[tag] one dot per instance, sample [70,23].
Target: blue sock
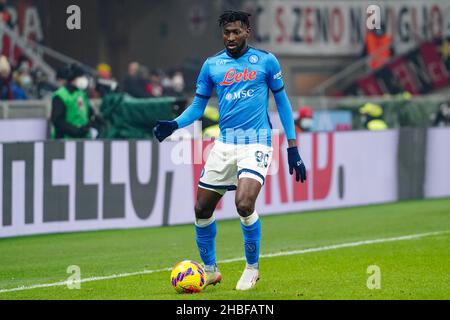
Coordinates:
[252,240]
[206,243]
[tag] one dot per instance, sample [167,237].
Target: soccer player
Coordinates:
[240,158]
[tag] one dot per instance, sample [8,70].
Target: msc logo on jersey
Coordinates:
[232,76]
[253,59]
[240,95]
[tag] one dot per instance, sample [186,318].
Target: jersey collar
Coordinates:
[240,55]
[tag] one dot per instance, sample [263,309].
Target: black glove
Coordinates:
[164,129]
[295,162]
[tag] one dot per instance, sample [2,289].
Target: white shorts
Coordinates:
[227,163]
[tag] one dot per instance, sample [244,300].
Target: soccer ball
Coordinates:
[188,277]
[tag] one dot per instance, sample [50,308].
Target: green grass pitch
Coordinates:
[411,268]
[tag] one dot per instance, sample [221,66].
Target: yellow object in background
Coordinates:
[212,116]
[372,110]
[377,125]
[374,114]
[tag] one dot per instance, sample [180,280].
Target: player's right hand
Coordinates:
[164,129]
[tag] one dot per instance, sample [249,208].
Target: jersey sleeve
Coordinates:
[276,84]
[274,74]
[193,113]
[204,83]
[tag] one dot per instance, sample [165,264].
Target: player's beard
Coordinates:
[238,50]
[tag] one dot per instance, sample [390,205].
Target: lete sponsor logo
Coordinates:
[232,76]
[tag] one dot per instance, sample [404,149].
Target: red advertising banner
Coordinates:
[419,71]
[369,86]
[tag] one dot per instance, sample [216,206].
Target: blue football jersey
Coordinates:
[242,86]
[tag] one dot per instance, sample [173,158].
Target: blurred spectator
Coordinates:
[155,87]
[44,87]
[176,84]
[166,80]
[134,83]
[61,75]
[104,87]
[5,16]
[304,120]
[442,116]
[9,90]
[104,71]
[105,83]
[21,63]
[72,116]
[372,117]
[378,45]
[23,77]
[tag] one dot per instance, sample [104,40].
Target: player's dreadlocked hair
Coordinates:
[232,16]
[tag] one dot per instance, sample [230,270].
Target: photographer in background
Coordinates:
[135,83]
[72,117]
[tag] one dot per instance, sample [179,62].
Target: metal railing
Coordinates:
[345,76]
[350,72]
[359,67]
[36,53]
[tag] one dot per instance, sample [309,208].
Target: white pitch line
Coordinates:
[64,283]
[269,255]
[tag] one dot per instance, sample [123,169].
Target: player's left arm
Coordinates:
[276,85]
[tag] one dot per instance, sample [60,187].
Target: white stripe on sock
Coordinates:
[250,220]
[203,223]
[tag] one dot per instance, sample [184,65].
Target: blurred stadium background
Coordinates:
[374,110]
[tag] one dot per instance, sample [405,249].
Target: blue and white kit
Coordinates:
[244,148]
